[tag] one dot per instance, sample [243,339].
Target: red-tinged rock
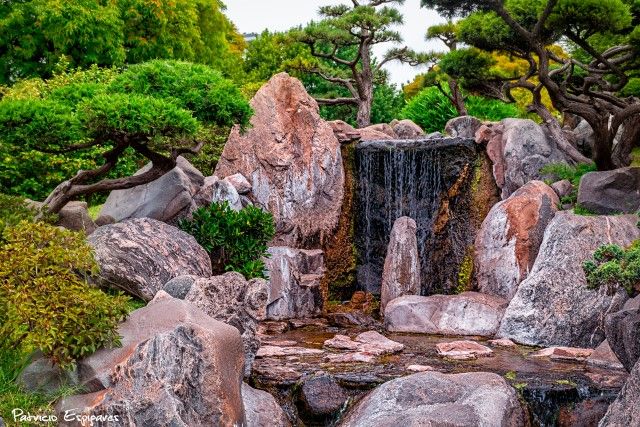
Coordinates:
[463,350]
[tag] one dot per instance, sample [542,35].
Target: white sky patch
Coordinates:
[254,16]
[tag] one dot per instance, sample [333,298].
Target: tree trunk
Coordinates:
[603,142]
[364,114]
[458,98]
[364,83]
[629,138]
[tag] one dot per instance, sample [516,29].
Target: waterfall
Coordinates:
[412,178]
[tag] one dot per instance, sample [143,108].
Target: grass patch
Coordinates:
[561,171]
[635,157]
[94,211]
[580,210]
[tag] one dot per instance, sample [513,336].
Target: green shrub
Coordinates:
[560,171]
[235,240]
[45,301]
[614,267]
[431,109]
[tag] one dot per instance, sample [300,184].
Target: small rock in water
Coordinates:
[345,320]
[322,396]
[502,342]
[279,343]
[463,350]
[564,353]
[272,327]
[341,342]
[604,357]
[351,357]
[420,368]
[275,351]
[303,323]
[376,343]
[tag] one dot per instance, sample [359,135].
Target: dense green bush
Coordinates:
[614,267]
[45,301]
[431,109]
[235,240]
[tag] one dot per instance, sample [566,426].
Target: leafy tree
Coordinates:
[35,34]
[235,240]
[604,40]
[345,37]
[156,110]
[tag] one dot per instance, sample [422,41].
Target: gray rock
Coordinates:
[232,299]
[585,138]
[294,282]
[292,159]
[166,199]
[140,255]
[240,183]
[322,396]
[177,366]
[179,287]
[434,399]
[406,129]
[623,334]
[261,409]
[463,127]
[625,411]
[401,272]
[75,216]
[217,190]
[610,192]
[104,220]
[604,357]
[508,240]
[553,305]
[382,128]
[562,188]
[43,376]
[469,313]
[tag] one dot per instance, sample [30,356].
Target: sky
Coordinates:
[254,16]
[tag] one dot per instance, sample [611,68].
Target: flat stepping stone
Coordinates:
[463,350]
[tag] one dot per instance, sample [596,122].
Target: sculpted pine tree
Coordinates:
[592,81]
[345,37]
[156,110]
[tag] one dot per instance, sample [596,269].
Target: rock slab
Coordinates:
[468,313]
[623,335]
[625,411]
[401,271]
[435,399]
[140,255]
[553,306]
[294,282]
[262,409]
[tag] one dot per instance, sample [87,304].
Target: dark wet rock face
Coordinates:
[322,397]
[625,411]
[427,180]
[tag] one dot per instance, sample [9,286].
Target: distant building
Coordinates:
[248,37]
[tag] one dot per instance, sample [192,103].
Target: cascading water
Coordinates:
[414,178]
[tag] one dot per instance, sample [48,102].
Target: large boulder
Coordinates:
[232,299]
[610,192]
[293,161]
[262,409]
[406,129]
[435,399]
[553,305]
[623,334]
[469,313]
[321,396]
[167,199]
[508,240]
[518,148]
[625,410]
[140,255]
[177,366]
[294,282]
[75,216]
[401,272]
